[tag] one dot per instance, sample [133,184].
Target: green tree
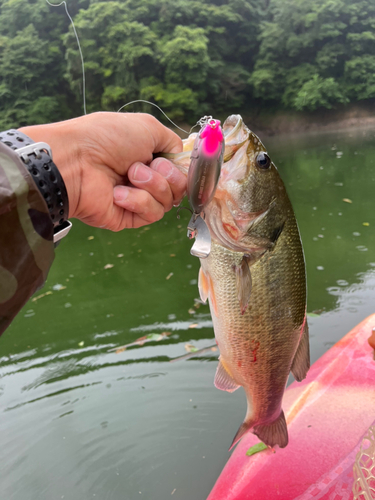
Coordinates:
[319,42]
[319,92]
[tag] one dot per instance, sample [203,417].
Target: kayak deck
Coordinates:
[328,415]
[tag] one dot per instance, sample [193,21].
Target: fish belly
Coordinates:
[257,347]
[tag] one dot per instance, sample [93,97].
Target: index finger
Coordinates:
[165,140]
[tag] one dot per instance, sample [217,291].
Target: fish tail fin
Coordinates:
[275,433]
[243,429]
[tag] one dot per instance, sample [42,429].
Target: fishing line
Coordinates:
[79,48]
[200,122]
[156,106]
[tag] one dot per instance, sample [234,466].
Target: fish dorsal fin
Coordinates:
[301,361]
[274,433]
[244,284]
[203,286]
[223,380]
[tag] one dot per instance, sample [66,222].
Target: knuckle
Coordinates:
[150,119]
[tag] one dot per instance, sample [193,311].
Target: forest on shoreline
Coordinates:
[190,57]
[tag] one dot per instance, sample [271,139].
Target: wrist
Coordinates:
[62,139]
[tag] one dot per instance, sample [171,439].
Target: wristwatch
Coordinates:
[37,157]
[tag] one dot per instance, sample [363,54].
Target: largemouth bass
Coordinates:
[254,280]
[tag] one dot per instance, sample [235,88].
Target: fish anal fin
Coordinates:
[301,360]
[244,284]
[243,429]
[275,433]
[223,380]
[203,286]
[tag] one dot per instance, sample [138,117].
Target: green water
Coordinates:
[79,422]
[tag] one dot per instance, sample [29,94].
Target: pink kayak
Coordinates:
[328,415]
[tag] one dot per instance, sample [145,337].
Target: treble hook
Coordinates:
[183,208]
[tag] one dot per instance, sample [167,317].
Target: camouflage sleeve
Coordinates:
[26,236]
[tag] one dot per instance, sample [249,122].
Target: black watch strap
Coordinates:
[37,158]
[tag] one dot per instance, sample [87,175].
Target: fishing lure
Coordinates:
[204,172]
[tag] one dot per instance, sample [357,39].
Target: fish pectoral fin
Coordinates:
[206,289]
[244,284]
[223,380]
[203,286]
[301,360]
[275,433]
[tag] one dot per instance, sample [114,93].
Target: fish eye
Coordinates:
[263,161]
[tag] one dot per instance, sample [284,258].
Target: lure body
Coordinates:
[205,165]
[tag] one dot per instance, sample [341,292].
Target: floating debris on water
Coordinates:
[190,348]
[108,266]
[365,223]
[82,343]
[169,276]
[68,304]
[151,337]
[172,255]
[193,325]
[320,268]
[40,296]
[191,354]
[339,154]
[90,238]
[347,200]
[58,287]
[356,233]
[192,311]
[120,255]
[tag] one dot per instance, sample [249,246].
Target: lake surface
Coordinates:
[79,422]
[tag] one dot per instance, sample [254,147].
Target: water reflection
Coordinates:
[79,422]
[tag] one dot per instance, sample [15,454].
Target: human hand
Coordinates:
[106,162]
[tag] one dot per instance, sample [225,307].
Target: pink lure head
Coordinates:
[213,136]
